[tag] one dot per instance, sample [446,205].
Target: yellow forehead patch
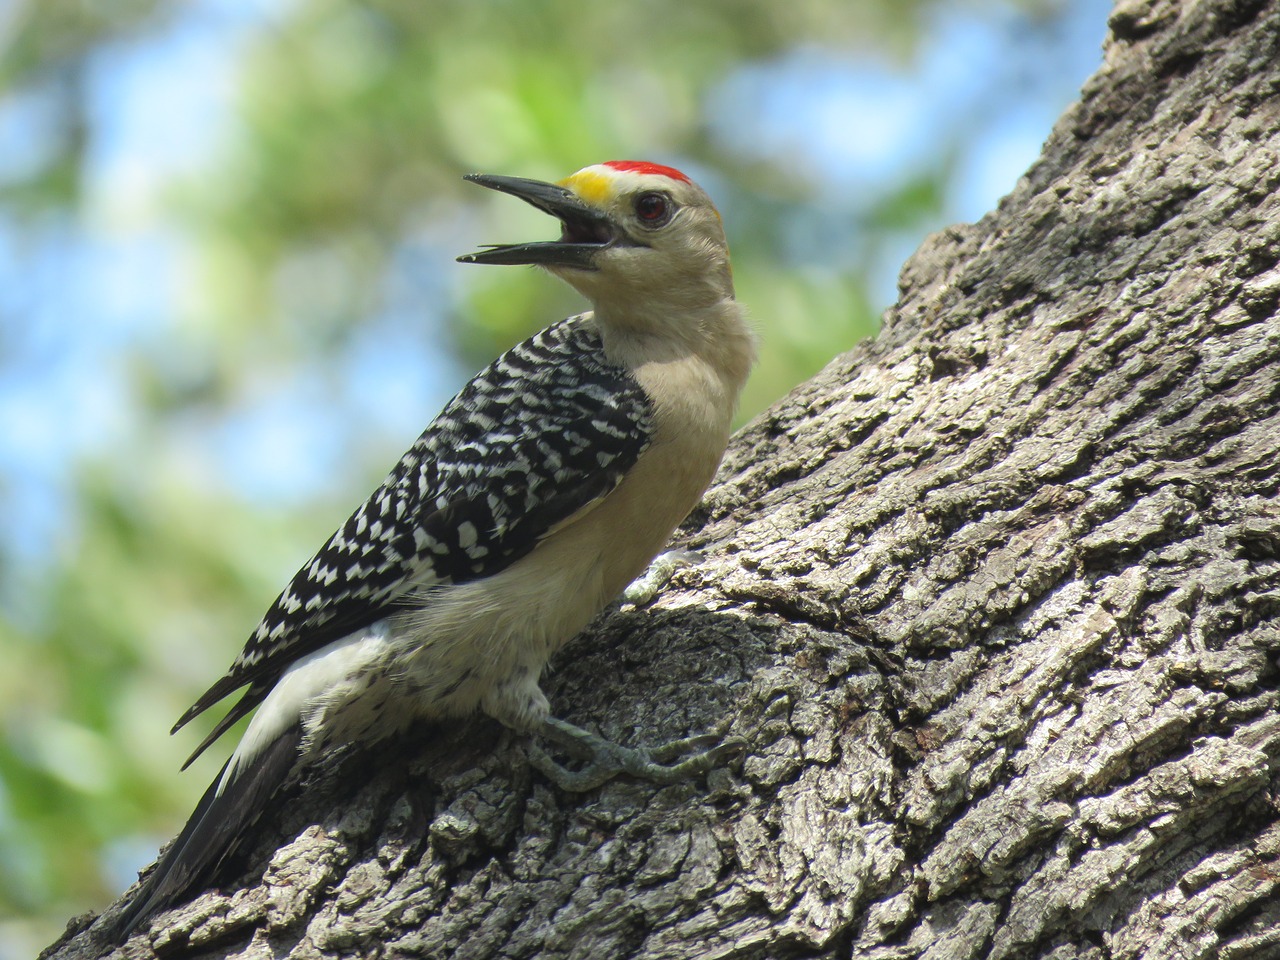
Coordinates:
[592,185]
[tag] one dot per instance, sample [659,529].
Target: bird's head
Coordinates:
[630,231]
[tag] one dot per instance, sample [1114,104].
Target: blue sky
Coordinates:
[76,295]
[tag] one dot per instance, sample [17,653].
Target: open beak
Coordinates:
[586,231]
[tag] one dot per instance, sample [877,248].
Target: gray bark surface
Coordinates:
[994,600]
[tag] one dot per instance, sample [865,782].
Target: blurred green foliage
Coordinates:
[353,122]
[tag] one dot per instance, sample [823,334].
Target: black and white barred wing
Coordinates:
[546,430]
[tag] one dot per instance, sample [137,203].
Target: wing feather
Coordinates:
[545,431]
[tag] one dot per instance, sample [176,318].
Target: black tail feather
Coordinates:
[212,833]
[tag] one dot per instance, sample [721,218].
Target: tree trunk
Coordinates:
[993,599]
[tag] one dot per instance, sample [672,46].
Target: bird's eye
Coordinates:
[653,209]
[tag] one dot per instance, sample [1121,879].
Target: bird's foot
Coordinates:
[646,586]
[606,760]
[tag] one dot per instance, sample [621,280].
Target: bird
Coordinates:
[544,487]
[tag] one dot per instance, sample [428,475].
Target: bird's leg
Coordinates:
[606,760]
[646,586]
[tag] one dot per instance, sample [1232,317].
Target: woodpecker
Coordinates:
[540,491]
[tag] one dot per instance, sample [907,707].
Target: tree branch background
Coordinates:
[216,426]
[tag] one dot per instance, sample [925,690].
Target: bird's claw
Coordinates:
[607,760]
[647,586]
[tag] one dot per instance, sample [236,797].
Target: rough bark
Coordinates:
[994,600]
